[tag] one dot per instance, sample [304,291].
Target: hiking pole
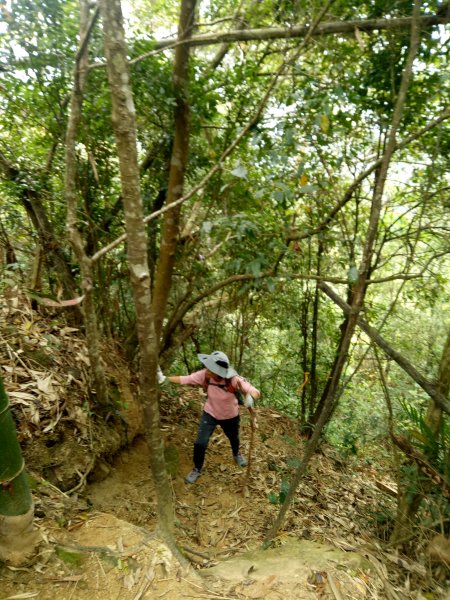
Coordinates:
[250,450]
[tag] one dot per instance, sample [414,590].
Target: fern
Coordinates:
[434,446]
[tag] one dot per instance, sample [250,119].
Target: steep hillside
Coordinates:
[95,502]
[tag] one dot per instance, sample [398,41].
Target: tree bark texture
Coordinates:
[123,116]
[178,163]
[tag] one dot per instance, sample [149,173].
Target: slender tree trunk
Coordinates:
[84,262]
[123,116]
[304,352]
[17,537]
[314,417]
[10,254]
[360,286]
[35,283]
[314,335]
[178,163]
[335,373]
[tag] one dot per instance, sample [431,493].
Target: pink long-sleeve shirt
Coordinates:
[220,403]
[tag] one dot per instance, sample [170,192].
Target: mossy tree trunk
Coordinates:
[17,538]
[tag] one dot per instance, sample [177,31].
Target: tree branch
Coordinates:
[421,461]
[347,197]
[429,387]
[230,149]
[298,31]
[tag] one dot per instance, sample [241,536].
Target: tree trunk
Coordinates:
[70,188]
[17,538]
[178,163]
[10,254]
[304,353]
[314,336]
[123,116]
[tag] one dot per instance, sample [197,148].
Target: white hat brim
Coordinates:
[211,365]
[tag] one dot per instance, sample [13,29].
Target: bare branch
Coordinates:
[429,387]
[296,31]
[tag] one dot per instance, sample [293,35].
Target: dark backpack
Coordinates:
[228,386]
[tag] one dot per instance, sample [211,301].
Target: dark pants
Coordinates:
[208,423]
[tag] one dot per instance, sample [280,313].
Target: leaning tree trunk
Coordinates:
[17,537]
[361,284]
[123,116]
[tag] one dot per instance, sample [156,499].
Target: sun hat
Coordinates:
[217,363]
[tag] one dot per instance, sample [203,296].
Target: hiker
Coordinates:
[221,382]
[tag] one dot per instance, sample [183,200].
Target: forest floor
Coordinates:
[98,543]
[95,505]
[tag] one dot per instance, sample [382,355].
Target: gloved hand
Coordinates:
[160,376]
[248,401]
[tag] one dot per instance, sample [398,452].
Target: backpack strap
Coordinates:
[227,386]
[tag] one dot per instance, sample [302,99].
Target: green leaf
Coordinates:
[69,556]
[239,171]
[308,189]
[352,275]
[207,226]
[324,123]
[278,197]
[273,498]
[255,268]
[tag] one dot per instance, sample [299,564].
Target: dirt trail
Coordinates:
[99,544]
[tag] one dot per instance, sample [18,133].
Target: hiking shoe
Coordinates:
[193,475]
[240,460]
